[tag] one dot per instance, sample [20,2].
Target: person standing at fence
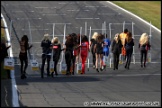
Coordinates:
[56,48]
[24,46]
[106,47]
[84,51]
[92,44]
[46,54]
[144,46]
[4,53]
[123,36]
[116,50]
[99,51]
[129,43]
[68,52]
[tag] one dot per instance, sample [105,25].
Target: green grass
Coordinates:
[147,10]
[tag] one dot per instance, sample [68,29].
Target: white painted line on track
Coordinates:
[104,74]
[134,16]
[15,99]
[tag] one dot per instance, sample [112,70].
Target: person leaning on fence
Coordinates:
[116,50]
[92,44]
[56,48]
[46,54]
[99,51]
[123,36]
[69,52]
[24,46]
[144,46]
[129,43]
[4,53]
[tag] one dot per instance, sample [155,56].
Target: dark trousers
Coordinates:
[94,58]
[68,59]
[116,60]
[55,66]
[44,58]
[128,57]
[23,60]
[143,56]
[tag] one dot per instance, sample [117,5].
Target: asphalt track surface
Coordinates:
[134,85]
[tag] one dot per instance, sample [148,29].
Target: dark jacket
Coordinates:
[93,42]
[4,52]
[145,46]
[116,47]
[46,46]
[56,48]
[129,45]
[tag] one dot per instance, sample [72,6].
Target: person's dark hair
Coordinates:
[69,39]
[84,38]
[25,38]
[129,37]
[125,30]
[74,36]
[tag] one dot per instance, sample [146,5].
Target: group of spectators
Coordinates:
[77,47]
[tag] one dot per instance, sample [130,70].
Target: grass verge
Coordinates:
[147,10]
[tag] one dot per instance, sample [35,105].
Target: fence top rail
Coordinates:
[58,23]
[121,23]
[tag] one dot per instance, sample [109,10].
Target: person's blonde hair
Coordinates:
[116,37]
[46,37]
[144,39]
[94,36]
[55,40]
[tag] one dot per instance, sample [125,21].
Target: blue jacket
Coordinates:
[107,43]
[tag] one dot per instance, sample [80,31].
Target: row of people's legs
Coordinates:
[95,58]
[127,59]
[73,61]
[98,59]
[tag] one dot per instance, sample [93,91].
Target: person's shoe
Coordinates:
[52,75]
[67,73]
[25,76]
[144,65]
[97,70]
[72,73]
[125,66]
[141,65]
[56,74]
[128,67]
[101,69]
[117,68]
[22,76]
